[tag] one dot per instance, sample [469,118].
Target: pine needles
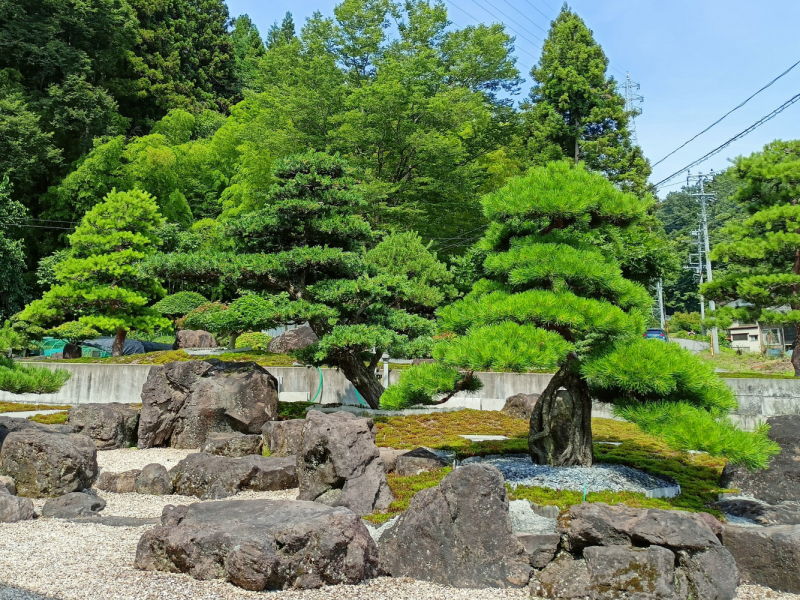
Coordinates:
[20,379]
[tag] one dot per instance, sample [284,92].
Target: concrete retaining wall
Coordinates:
[758,398]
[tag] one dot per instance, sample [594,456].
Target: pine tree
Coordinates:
[303,255]
[762,253]
[575,110]
[100,285]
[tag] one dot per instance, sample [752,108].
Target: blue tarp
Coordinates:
[130,347]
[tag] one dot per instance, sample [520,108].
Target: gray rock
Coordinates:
[15,508]
[377,531]
[235,445]
[565,577]
[419,460]
[182,402]
[116,521]
[73,505]
[193,338]
[12,424]
[118,483]
[596,524]
[210,477]
[711,574]
[389,457]
[766,556]
[525,520]
[619,572]
[783,513]
[283,438]
[540,548]
[7,484]
[49,464]
[520,406]
[781,480]
[458,534]
[153,480]
[340,465]
[111,426]
[262,544]
[294,339]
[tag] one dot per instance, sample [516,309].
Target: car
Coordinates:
[655,333]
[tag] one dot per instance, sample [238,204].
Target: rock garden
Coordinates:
[207,491]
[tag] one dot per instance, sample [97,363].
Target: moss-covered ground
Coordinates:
[16,406]
[265,359]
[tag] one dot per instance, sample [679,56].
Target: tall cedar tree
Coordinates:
[763,252]
[576,112]
[304,251]
[552,298]
[100,285]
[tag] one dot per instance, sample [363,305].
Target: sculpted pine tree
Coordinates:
[99,283]
[763,253]
[551,300]
[576,112]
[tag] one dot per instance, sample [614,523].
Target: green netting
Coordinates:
[50,346]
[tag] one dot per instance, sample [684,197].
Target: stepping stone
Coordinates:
[484,438]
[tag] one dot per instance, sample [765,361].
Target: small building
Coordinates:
[758,337]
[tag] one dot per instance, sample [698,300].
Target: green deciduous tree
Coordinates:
[100,285]
[73,333]
[763,250]
[12,253]
[575,110]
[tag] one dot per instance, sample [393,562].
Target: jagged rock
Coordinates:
[118,483]
[766,556]
[12,424]
[49,464]
[389,457]
[340,465]
[7,484]
[283,438]
[207,476]
[711,574]
[193,338]
[621,571]
[458,534]
[294,339]
[419,460]
[73,505]
[261,544]
[565,578]
[781,480]
[115,521]
[782,513]
[540,548]
[520,406]
[111,426]
[234,445]
[14,508]
[182,402]
[153,480]
[596,524]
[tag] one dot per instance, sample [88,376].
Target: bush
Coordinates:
[19,379]
[686,322]
[650,370]
[421,383]
[687,427]
[180,304]
[255,340]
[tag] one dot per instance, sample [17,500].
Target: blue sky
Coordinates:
[695,60]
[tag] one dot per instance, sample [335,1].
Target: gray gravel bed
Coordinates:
[524,520]
[519,470]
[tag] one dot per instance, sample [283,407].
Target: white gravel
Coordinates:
[524,520]
[118,461]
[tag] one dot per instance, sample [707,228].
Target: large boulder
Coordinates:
[13,508]
[182,402]
[419,460]
[767,556]
[340,465]
[294,339]
[782,513]
[111,425]
[235,445]
[118,483]
[12,424]
[207,476]
[621,571]
[193,338]
[282,438]
[520,406]
[389,457]
[73,505]
[153,480]
[458,534]
[261,544]
[49,464]
[781,480]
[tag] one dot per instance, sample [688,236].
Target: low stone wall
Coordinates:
[90,383]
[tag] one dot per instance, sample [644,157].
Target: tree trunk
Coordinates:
[362,379]
[118,347]
[796,352]
[72,351]
[232,342]
[561,424]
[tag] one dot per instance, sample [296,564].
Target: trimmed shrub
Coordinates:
[19,379]
[255,340]
[423,382]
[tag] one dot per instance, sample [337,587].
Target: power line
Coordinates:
[35,226]
[727,113]
[526,16]
[738,136]
[475,2]
[540,12]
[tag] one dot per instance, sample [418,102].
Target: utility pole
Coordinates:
[660,291]
[697,182]
[632,104]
